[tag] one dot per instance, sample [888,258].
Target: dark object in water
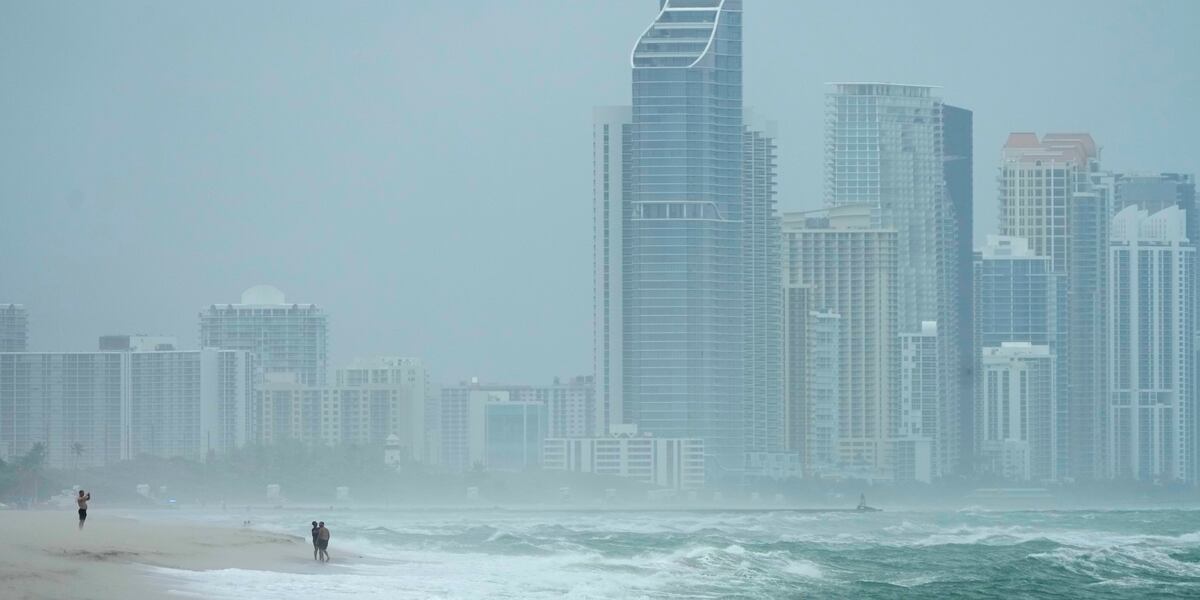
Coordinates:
[862,505]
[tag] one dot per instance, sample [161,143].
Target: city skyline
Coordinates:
[123,205]
[864,299]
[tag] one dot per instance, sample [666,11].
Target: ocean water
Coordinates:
[767,554]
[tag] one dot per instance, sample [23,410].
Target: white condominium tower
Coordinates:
[98,408]
[1053,193]
[845,267]
[284,338]
[611,153]
[1016,411]
[1039,181]
[1150,413]
[884,148]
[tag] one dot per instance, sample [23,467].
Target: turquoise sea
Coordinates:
[970,553]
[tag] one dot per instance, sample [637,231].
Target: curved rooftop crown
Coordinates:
[680,36]
[262,295]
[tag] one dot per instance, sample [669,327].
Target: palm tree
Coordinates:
[77,450]
[31,464]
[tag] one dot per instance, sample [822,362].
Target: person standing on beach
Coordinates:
[323,541]
[316,530]
[82,501]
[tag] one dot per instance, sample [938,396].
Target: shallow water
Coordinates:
[503,554]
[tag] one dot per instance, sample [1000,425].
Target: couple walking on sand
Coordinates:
[320,539]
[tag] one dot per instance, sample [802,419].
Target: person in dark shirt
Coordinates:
[316,531]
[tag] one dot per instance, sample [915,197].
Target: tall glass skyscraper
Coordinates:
[884,147]
[763,314]
[684,308]
[688,303]
[959,173]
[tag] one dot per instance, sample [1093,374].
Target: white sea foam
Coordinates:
[631,555]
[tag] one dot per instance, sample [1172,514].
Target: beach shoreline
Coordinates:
[48,557]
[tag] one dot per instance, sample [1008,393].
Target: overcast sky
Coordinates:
[423,169]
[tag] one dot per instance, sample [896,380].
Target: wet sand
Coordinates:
[45,556]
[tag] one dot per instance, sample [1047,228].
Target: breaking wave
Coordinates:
[962,554]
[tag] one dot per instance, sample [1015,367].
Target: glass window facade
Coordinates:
[684,314]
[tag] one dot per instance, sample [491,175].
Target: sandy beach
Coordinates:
[47,557]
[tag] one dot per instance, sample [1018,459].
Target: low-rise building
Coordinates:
[676,463]
[561,409]
[492,426]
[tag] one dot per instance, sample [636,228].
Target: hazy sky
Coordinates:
[423,169]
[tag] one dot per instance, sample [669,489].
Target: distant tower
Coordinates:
[14,328]
[284,338]
[959,172]
[1053,193]
[688,340]
[1019,299]
[1150,412]
[1016,415]
[884,147]
[847,268]
[611,139]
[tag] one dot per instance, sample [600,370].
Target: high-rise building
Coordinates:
[687,307]
[761,255]
[570,405]
[14,328]
[282,337]
[1016,415]
[611,180]
[884,148]
[916,416]
[684,305]
[1153,192]
[62,399]
[355,411]
[1015,293]
[1038,182]
[959,173]
[410,423]
[1150,413]
[1087,348]
[1054,194]
[812,378]
[97,408]
[849,269]
[189,404]
[1019,299]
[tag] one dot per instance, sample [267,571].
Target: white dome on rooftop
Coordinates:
[262,294]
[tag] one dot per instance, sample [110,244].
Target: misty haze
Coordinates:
[604,299]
